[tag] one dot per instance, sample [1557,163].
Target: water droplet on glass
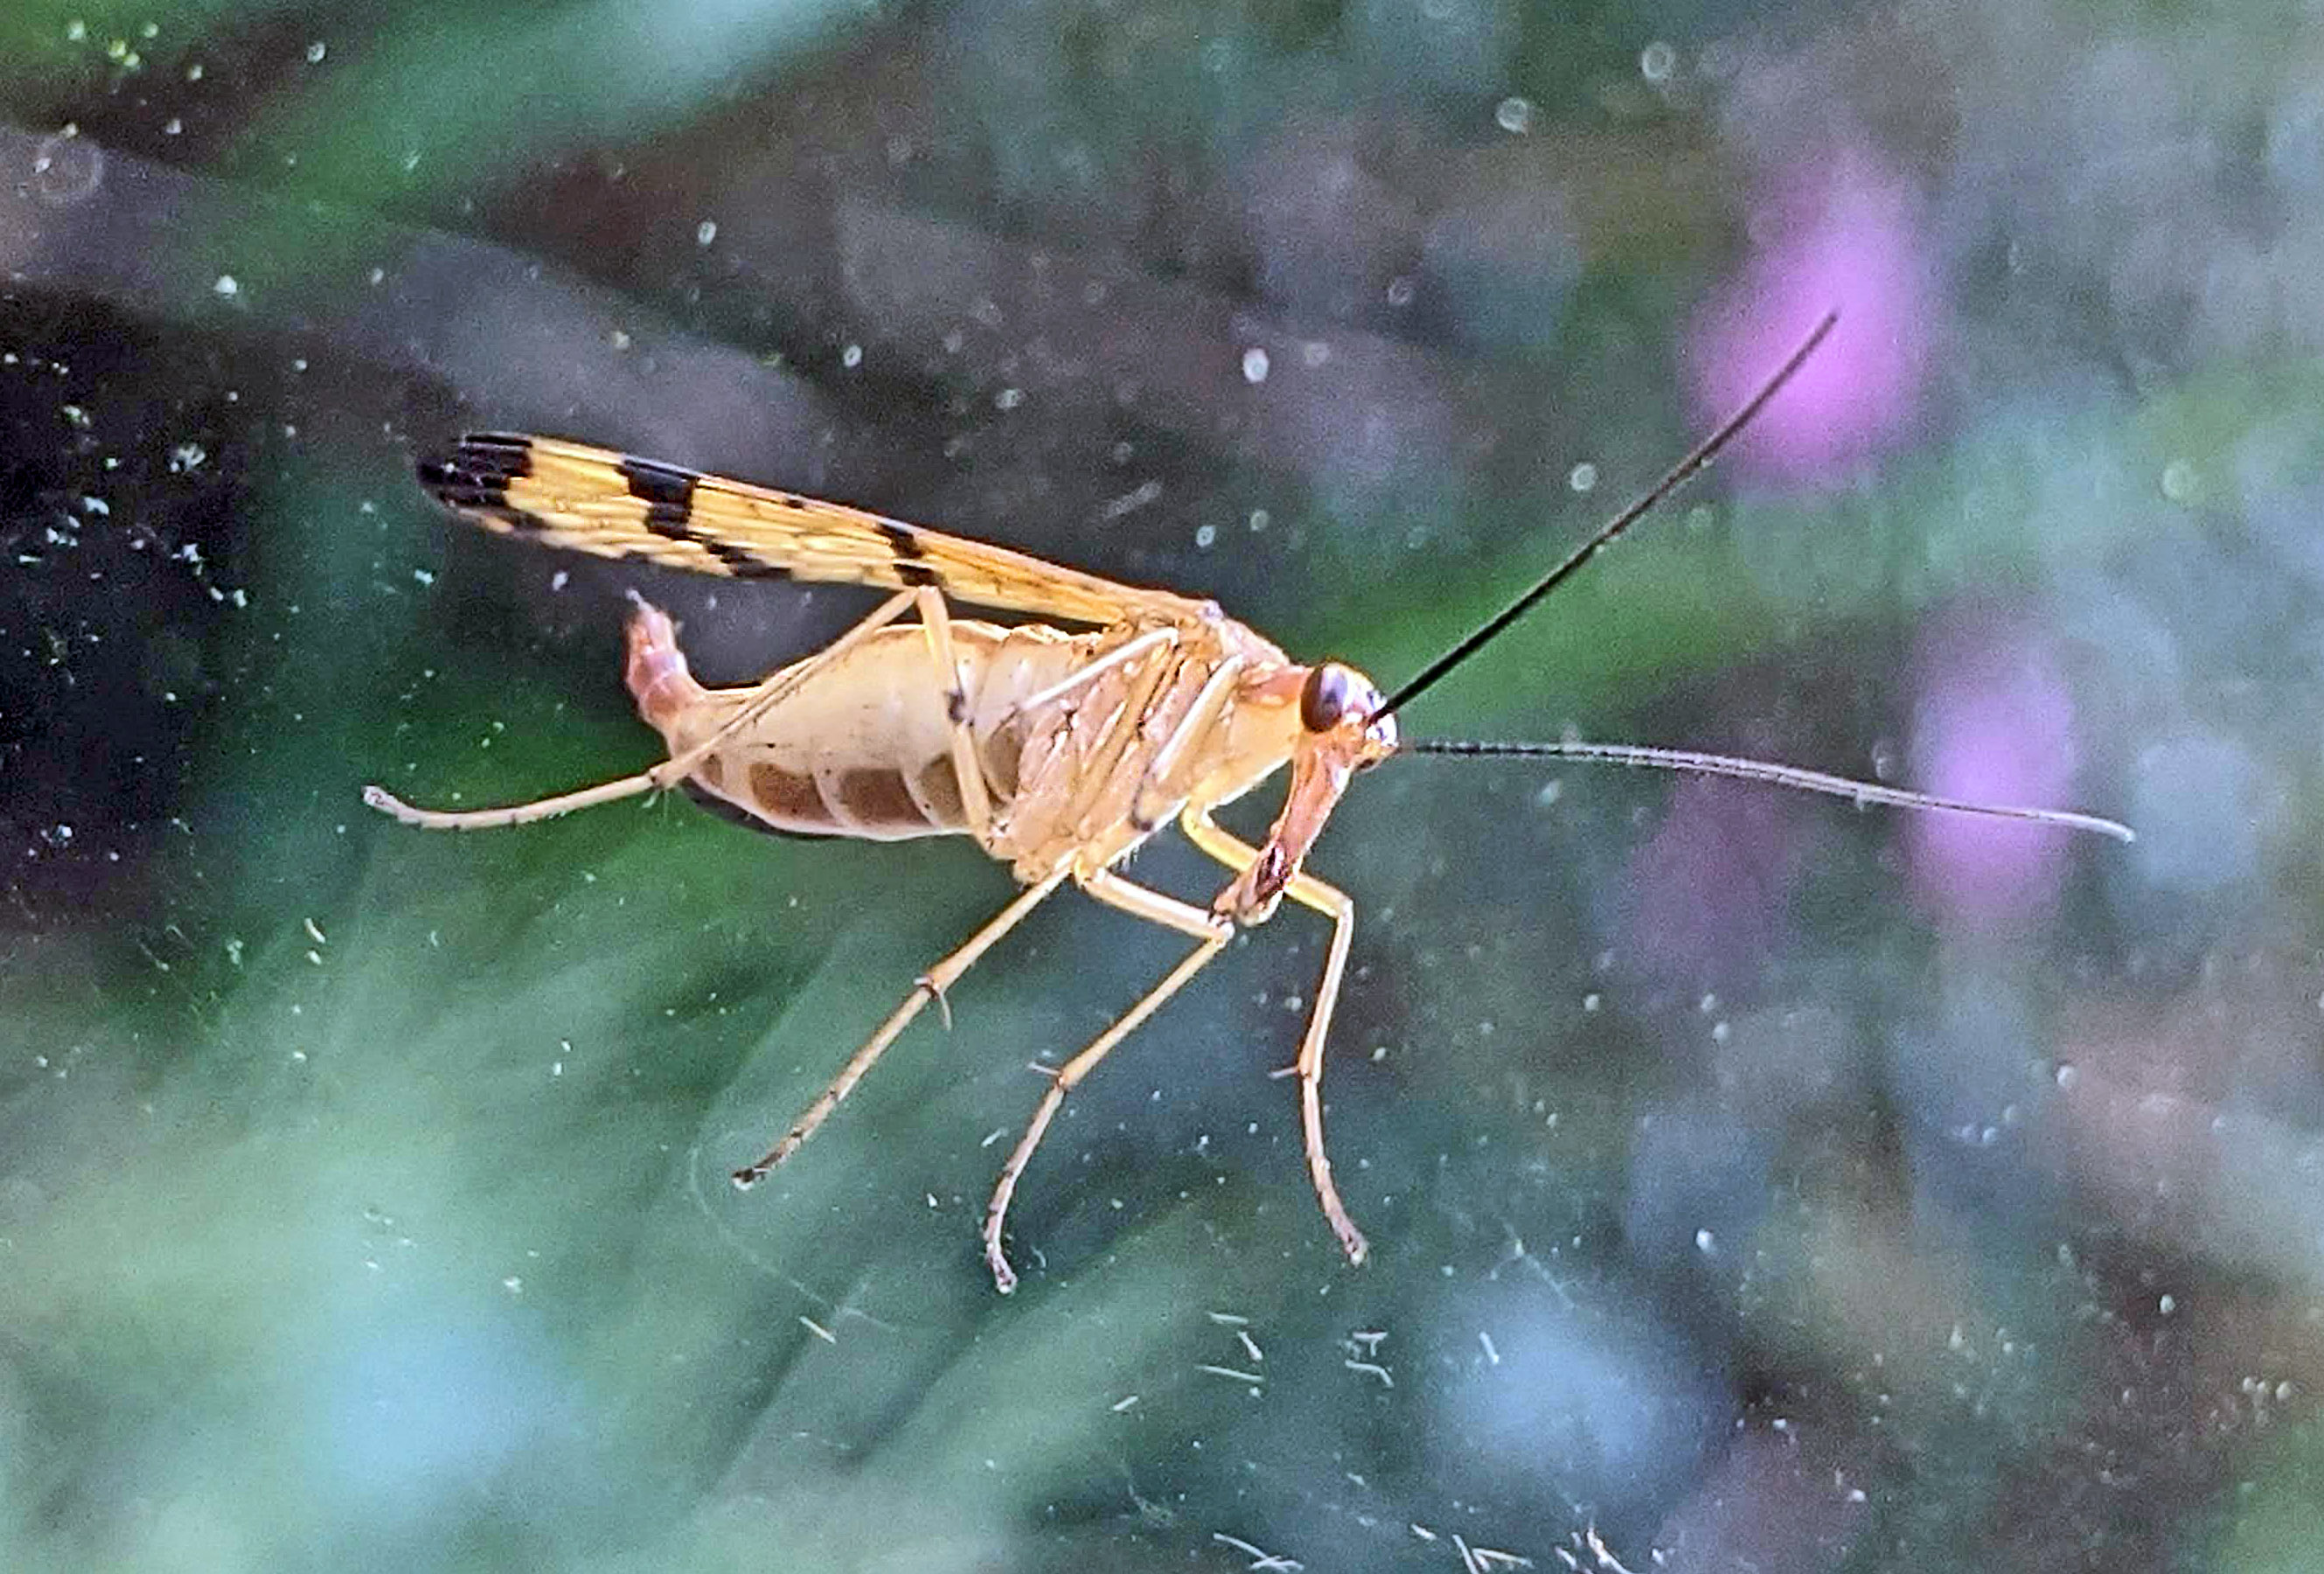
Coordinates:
[66,169]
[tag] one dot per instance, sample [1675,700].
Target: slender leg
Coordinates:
[1136,899]
[1129,651]
[975,802]
[767,694]
[1098,769]
[930,986]
[1335,904]
[1207,706]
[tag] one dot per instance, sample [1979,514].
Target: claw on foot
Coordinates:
[936,993]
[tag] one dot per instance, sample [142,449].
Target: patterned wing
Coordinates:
[594,500]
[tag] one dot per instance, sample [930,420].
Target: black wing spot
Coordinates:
[739,561]
[902,540]
[476,474]
[474,478]
[489,456]
[663,486]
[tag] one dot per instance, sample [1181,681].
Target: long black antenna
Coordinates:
[1678,476]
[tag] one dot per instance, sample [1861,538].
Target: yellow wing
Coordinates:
[594,500]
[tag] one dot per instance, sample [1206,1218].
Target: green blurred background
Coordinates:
[1752,1183]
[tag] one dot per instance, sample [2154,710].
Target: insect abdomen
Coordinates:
[863,748]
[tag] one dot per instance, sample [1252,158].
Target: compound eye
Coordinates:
[1325,698]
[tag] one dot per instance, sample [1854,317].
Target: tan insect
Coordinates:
[1058,753]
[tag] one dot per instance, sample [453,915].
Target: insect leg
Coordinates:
[1336,905]
[975,802]
[1213,698]
[930,986]
[772,691]
[1100,767]
[1089,671]
[1136,899]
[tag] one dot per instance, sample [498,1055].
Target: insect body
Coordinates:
[1058,753]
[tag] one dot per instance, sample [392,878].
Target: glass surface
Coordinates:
[1754,1181]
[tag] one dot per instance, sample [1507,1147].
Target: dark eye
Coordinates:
[1325,698]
